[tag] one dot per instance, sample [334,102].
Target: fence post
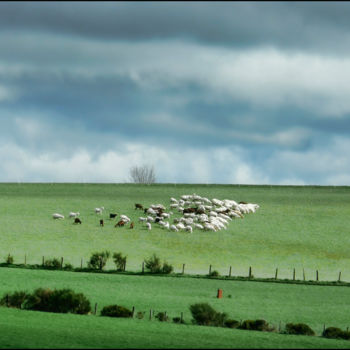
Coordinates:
[250,272]
[183,268]
[150,314]
[61,262]
[294,274]
[317,275]
[276,273]
[339,276]
[229,274]
[133,312]
[209,270]
[143,267]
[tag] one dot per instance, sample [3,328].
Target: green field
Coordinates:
[295,227]
[314,305]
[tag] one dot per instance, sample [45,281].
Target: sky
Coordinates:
[205,92]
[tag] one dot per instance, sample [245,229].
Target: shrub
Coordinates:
[98,260]
[167,268]
[39,300]
[162,316]
[53,263]
[255,325]
[60,301]
[336,333]
[229,323]
[120,261]
[15,300]
[68,266]
[9,259]
[116,311]
[298,328]
[204,314]
[178,320]
[65,300]
[153,264]
[214,274]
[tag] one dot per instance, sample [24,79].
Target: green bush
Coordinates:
[14,300]
[116,311]
[214,274]
[9,259]
[68,266]
[39,300]
[162,316]
[255,325]
[167,268]
[52,263]
[203,314]
[229,323]
[59,301]
[335,333]
[120,261]
[178,320]
[153,264]
[298,328]
[98,260]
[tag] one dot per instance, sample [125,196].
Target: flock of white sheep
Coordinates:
[197,213]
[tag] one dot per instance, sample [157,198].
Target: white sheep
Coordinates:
[150,219]
[125,218]
[99,210]
[174,200]
[149,226]
[174,228]
[188,228]
[142,219]
[57,216]
[73,215]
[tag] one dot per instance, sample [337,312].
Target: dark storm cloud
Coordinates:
[296,25]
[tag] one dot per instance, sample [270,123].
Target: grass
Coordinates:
[295,227]
[27,329]
[315,305]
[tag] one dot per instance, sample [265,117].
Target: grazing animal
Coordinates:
[77,221]
[112,215]
[131,225]
[174,228]
[142,219]
[138,206]
[73,215]
[189,210]
[99,210]
[57,216]
[119,223]
[149,226]
[101,223]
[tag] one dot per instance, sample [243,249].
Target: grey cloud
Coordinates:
[295,25]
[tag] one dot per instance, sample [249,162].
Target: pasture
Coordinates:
[295,227]
[314,305]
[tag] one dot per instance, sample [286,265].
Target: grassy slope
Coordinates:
[26,329]
[296,227]
[314,305]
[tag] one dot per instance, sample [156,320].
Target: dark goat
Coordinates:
[138,206]
[77,221]
[101,222]
[112,216]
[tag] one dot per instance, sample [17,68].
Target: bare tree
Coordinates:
[143,174]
